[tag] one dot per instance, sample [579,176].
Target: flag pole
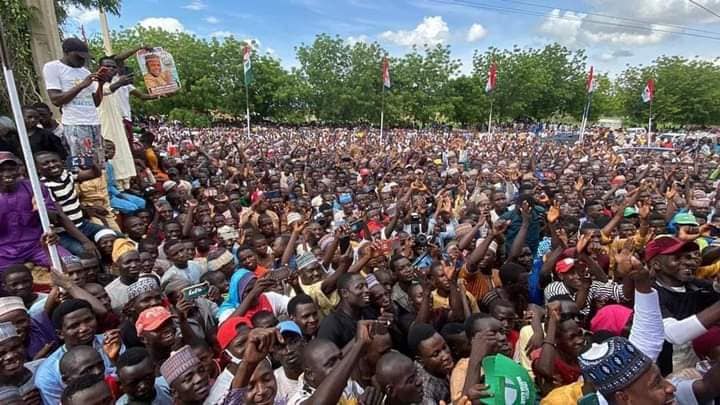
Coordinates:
[650,121]
[490,117]
[586,116]
[247,110]
[25,145]
[382,111]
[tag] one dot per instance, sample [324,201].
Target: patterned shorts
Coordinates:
[85,141]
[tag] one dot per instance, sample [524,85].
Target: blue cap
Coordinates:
[289,326]
[345,198]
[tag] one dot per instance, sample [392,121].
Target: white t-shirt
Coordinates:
[285,386]
[123,100]
[81,109]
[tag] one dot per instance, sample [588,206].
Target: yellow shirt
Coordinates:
[457,379]
[526,333]
[325,304]
[567,394]
[440,302]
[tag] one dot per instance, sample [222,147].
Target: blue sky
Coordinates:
[613,32]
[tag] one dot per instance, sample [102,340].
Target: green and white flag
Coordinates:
[247,65]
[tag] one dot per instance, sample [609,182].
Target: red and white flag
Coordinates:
[492,78]
[648,93]
[386,73]
[591,83]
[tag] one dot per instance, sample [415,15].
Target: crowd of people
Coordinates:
[335,266]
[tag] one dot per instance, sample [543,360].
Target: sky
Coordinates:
[613,33]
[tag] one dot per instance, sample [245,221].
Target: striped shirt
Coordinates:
[599,292]
[63,192]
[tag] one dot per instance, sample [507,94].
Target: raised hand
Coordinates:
[259,344]
[553,213]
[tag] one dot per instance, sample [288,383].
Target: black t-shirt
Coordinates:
[697,296]
[339,328]
[128,334]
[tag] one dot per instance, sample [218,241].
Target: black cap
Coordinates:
[74,45]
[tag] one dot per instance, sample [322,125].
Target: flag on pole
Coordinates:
[386,73]
[649,92]
[492,78]
[591,83]
[247,65]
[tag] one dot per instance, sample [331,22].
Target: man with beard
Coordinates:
[304,312]
[689,306]
[136,375]
[13,370]
[434,362]
[488,337]
[397,377]
[186,376]
[76,325]
[340,325]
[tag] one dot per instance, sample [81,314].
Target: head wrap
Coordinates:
[141,286]
[221,261]
[238,283]
[227,233]
[120,247]
[613,365]
[72,259]
[612,318]
[9,304]
[7,331]
[178,364]
[103,233]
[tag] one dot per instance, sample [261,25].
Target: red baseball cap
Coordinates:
[229,329]
[564,265]
[151,319]
[668,245]
[364,172]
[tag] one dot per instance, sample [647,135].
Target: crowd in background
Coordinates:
[313,265]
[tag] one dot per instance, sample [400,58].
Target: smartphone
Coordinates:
[197,290]
[357,226]
[344,244]
[272,194]
[280,274]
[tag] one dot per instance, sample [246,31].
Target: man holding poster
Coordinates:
[159,73]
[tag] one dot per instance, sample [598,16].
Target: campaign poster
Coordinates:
[159,71]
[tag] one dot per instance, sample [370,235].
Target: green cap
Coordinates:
[685,218]
[629,212]
[508,381]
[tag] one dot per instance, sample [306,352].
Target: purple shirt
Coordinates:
[41,333]
[20,228]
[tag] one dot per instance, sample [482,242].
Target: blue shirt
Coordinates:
[163,395]
[110,175]
[48,379]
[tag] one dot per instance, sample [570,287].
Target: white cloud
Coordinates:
[164,23]
[432,31]
[476,33]
[352,40]
[618,54]
[222,34]
[659,11]
[195,5]
[577,29]
[82,15]
[211,20]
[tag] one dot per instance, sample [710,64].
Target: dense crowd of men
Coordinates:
[314,265]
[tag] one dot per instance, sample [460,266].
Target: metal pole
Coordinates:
[247,110]
[26,150]
[490,118]
[586,116]
[649,122]
[382,111]
[107,43]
